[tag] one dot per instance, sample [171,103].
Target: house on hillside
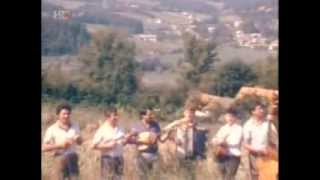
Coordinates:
[62,14]
[158,21]
[147,37]
[274,45]
[211,29]
[237,24]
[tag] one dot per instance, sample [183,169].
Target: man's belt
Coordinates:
[260,154]
[57,154]
[110,157]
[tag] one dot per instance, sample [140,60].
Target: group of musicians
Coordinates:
[62,137]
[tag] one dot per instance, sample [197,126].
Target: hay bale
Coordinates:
[270,94]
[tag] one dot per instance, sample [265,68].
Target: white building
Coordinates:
[274,45]
[211,29]
[147,37]
[237,24]
[158,21]
[62,14]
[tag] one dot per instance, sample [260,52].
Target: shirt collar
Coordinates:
[60,126]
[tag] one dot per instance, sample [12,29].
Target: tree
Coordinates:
[231,77]
[59,37]
[110,67]
[201,55]
[267,72]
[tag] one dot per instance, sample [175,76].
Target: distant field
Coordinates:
[228,53]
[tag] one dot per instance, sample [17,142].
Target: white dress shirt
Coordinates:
[107,133]
[256,134]
[57,135]
[233,137]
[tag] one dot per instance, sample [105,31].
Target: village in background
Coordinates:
[135,54]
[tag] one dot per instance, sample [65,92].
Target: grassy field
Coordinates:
[166,167]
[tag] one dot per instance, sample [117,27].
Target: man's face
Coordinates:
[114,118]
[189,115]
[258,112]
[229,118]
[64,116]
[148,116]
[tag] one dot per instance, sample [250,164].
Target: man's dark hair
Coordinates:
[191,108]
[110,110]
[63,106]
[254,105]
[232,112]
[142,113]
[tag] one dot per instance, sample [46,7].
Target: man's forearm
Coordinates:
[50,147]
[248,147]
[103,146]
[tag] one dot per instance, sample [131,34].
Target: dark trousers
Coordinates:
[228,166]
[111,168]
[145,163]
[65,167]
[189,165]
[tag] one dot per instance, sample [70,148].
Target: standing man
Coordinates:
[229,137]
[147,145]
[61,138]
[257,131]
[109,140]
[188,140]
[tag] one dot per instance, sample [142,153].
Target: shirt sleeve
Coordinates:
[157,129]
[218,137]
[246,132]
[136,128]
[236,137]
[97,138]
[76,129]
[120,133]
[179,134]
[48,137]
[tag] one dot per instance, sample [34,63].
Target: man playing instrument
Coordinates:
[109,140]
[257,133]
[229,137]
[147,133]
[61,138]
[189,139]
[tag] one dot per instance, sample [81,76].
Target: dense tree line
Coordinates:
[117,21]
[62,37]
[109,74]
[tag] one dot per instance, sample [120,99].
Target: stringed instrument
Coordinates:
[145,139]
[221,150]
[268,165]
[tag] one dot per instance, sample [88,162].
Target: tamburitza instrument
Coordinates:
[146,139]
[268,166]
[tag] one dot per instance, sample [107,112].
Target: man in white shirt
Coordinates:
[109,140]
[229,135]
[257,138]
[61,138]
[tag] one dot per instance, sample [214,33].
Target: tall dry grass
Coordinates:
[166,168]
